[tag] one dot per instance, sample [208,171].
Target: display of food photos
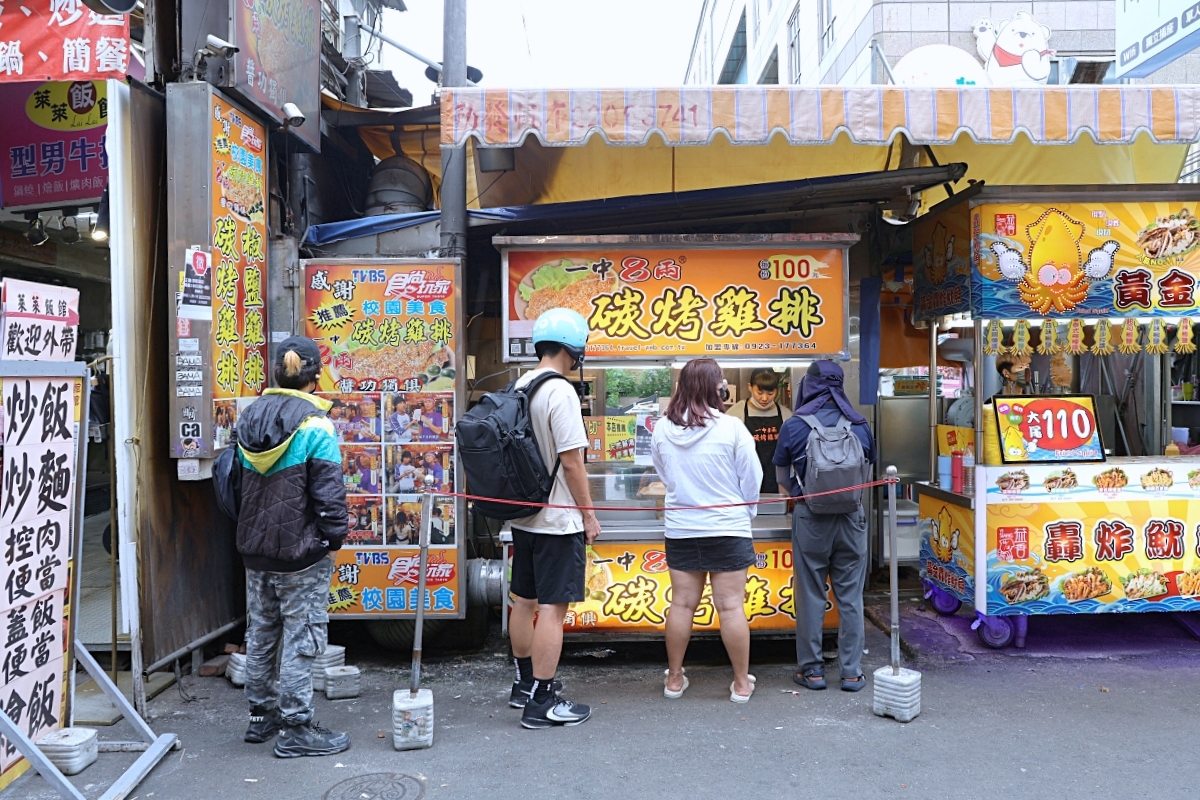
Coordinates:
[387,334]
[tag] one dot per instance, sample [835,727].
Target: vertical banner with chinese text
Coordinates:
[389,339]
[38,512]
[218,268]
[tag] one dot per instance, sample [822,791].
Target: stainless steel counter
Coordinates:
[766,527]
[945,495]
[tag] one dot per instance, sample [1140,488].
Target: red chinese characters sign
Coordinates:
[44,40]
[52,145]
[772,299]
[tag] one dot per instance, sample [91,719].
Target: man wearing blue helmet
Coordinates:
[549,559]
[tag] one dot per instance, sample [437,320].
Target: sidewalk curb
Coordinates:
[885,625]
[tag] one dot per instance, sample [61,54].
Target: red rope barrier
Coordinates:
[760,502]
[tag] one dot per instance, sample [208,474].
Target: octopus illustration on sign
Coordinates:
[1054,277]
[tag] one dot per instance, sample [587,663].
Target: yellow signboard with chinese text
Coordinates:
[663,300]
[629,590]
[239,254]
[1085,260]
[383,581]
[948,547]
[1093,538]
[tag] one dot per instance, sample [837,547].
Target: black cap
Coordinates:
[302,346]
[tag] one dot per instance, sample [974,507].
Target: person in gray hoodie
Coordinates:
[704,458]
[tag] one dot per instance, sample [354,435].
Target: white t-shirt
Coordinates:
[558,425]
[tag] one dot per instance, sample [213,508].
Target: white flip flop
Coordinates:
[667,693]
[734,697]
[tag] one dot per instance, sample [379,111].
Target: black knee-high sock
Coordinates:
[543,690]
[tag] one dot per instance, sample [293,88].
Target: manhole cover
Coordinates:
[378,786]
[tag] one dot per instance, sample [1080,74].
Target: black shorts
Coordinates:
[548,567]
[711,553]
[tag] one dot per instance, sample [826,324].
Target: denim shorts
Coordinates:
[710,553]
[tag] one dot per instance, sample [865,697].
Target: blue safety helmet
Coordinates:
[565,327]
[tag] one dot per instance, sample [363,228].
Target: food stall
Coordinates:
[654,302]
[1070,274]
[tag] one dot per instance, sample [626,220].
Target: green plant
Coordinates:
[639,383]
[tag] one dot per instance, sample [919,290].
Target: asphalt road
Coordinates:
[1010,724]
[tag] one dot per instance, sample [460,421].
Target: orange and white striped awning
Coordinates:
[870,115]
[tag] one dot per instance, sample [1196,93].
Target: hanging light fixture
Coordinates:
[69,233]
[36,234]
[100,225]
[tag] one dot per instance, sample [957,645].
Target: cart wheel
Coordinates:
[398,634]
[945,603]
[996,632]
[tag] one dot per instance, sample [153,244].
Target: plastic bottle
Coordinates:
[1171,450]
[968,469]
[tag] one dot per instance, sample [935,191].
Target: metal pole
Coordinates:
[893,570]
[409,51]
[933,401]
[414,683]
[454,159]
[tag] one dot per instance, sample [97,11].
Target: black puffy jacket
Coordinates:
[293,499]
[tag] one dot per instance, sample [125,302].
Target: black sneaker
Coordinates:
[519,696]
[264,724]
[309,740]
[555,711]
[523,690]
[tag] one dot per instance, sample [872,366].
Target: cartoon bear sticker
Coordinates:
[1016,52]
[1055,277]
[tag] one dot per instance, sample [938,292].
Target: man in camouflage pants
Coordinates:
[291,517]
[280,605]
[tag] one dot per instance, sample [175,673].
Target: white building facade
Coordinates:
[827,42]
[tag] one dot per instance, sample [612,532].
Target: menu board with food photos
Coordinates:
[1089,538]
[388,334]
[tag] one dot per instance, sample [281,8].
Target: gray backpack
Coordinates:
[835,461]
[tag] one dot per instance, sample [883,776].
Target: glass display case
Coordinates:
[633,496]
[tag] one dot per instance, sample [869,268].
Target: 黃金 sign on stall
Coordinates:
[388,331]
[664,297]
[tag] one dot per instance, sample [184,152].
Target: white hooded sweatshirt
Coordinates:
[707,466]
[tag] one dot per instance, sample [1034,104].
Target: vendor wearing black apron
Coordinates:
[763,417]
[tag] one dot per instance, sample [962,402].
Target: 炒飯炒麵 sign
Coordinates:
[673,298]
[38,514]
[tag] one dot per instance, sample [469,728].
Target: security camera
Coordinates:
[293,117]
[218,47]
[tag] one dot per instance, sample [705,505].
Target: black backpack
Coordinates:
[227,482]
[499,452]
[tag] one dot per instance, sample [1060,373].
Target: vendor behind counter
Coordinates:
[763,416]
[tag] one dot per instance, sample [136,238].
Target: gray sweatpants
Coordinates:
[833,546]
[292,607]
